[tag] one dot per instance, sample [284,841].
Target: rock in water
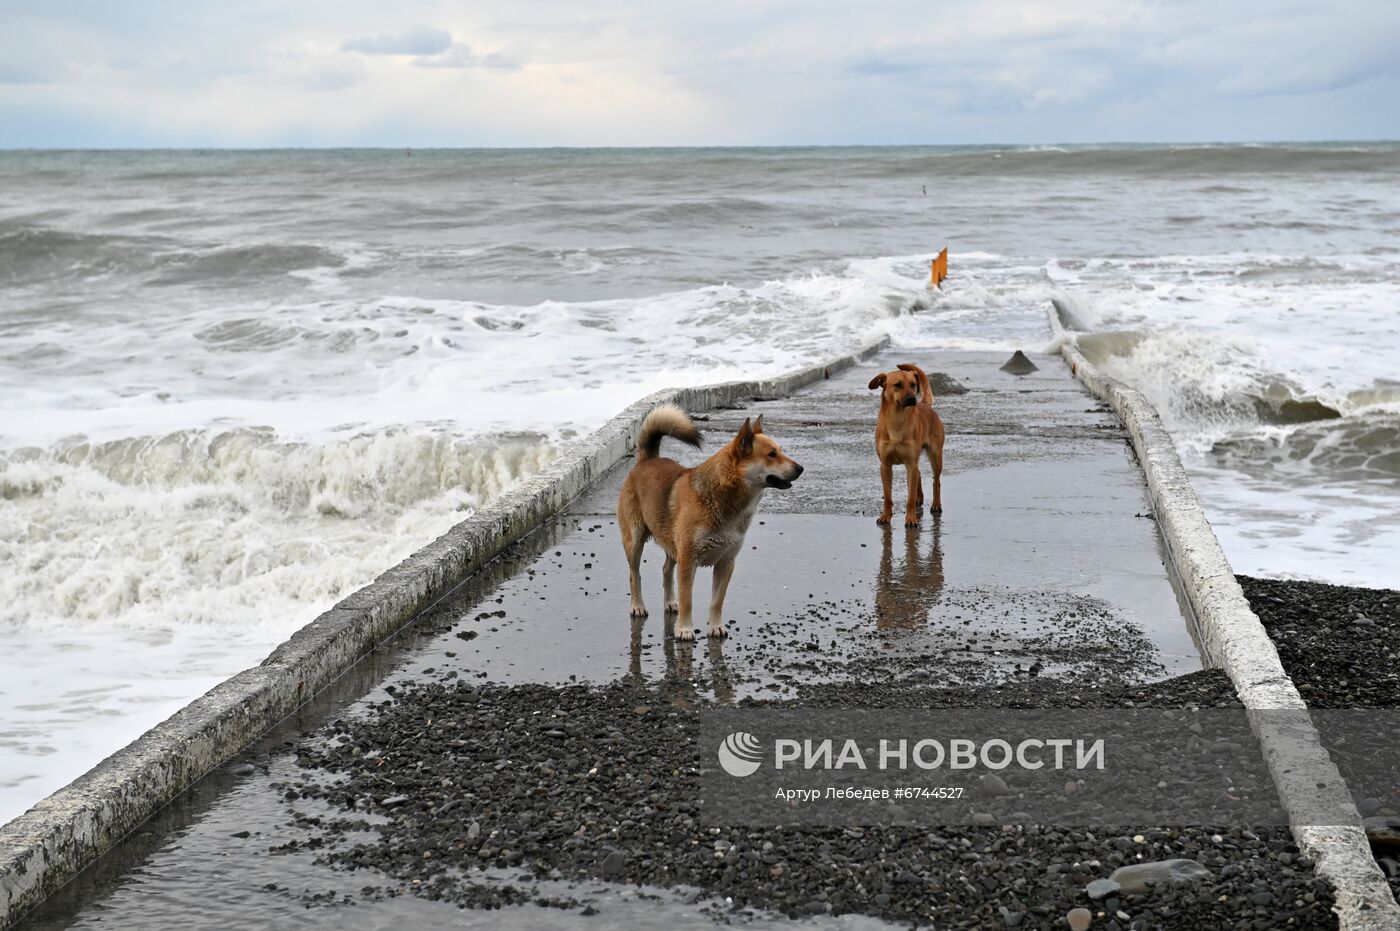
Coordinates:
[942,384]
[1066,314]
[1134,879]
[1382,831]
[1018,364]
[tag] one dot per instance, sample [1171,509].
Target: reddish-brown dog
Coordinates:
[908,428]
[699,515]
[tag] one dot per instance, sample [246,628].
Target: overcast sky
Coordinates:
[720,72]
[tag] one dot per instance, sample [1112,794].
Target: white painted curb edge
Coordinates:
[1233,639]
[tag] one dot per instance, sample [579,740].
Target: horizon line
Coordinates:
[1198,143]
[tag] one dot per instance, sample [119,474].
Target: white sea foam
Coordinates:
[232,528]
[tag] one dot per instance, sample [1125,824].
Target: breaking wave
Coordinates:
[1208,378]
[34,254]
[234,527]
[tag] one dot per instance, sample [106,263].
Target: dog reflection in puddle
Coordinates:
[906,591]
[679,682]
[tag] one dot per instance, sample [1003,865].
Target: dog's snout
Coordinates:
[911,400]
[796,470]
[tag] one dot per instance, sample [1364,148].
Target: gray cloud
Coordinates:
[420,40]
[11,74]
[725,72]
[461,56]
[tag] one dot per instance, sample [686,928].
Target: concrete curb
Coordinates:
[61,835]
[1233,639]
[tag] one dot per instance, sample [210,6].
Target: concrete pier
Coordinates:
[1046,561]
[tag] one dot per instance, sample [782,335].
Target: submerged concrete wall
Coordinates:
[1233,639]
[48,845]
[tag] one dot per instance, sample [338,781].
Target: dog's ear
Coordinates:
[743,441]
[758,424]
[878,381]
[920,379]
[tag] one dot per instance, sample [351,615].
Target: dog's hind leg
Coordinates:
[719,585]
[634,538]
[886,478]
[668,576]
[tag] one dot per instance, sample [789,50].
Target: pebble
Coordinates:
[1100,888]
[1010,919]
[993,785]
[1134,879]
[1079,919]
[613,864]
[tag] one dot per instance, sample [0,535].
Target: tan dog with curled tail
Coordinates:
[699,515]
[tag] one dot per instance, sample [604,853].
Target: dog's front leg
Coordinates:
[686,564]
[935,462]
[914,503]
[886,478]
[720,584]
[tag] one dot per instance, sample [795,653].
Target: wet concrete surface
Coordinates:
[1045,562]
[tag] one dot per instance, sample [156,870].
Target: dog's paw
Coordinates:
[639,610]
[936,509]
[673,607]
[685,633]
[720,631]
[912,520]
[883,519]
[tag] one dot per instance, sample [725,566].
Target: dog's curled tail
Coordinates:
[665,420]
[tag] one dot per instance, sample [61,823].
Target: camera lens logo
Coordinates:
[740,754]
